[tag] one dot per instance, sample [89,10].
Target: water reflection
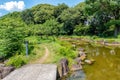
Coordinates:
[104,54]
[77,75]
[112,52]
[93,54]
[107,62]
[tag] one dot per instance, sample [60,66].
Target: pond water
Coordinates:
[107,61]
[77,75]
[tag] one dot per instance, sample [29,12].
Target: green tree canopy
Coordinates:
[101,12]
[43,12]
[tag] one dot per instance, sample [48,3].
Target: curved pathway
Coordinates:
[46,54]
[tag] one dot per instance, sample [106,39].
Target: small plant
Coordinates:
[17,61]
[65,51]
[118,36]
[94,37]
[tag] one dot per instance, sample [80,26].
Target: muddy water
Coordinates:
[77,75]
[107,61]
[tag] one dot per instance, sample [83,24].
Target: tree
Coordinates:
[81,30]
[11,41]
[52,27]
[72,17]
[43,12]
[102,11]
[27,16]
[59,9]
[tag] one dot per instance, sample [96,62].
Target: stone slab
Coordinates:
[34,72]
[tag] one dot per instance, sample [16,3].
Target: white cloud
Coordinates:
[13,5]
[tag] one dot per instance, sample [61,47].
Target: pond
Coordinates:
[77,75]
[107,61]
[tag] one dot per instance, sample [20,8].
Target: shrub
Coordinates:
[67,52]
[17,61]
[118,36]
[10,41]
[81,30]
[94,37]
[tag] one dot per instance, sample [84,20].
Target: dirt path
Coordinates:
[42,59]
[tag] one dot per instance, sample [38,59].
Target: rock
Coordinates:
[79,61]
[6,71]
[1,59]
[0,76]
[82,53]
[89,61]
[1,70]
[2,65]
[81,49]
[76,67]
[63,70]
[83,57]
[6,61]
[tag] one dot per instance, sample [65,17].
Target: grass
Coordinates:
[95,38]
[57,49]
[21,59]
[17,61]
[36,53]
[62,49]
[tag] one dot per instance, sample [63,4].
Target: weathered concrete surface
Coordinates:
[34,72]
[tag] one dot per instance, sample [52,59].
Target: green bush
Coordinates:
[81,30]
[118,36]
[11,41]
[67,52]
[95,37]
[17,61]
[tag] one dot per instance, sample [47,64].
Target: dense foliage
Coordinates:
[92,17]
[102,12]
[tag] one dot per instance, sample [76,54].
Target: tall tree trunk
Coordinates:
[115,32]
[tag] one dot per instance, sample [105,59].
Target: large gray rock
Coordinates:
[89,61]
[34,72]
[1,59]
[1,70]
[4,71]
[63,67]
[78,61]
[0,76]
[7,70]
[76,67]
[2,65]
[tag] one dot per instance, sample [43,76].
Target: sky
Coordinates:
[7,6]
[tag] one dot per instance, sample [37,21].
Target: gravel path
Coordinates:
[44,57]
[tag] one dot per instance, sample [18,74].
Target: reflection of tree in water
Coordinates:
[97,52]
[112,52]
